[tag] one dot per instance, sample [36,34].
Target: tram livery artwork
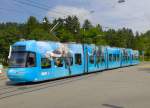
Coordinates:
[33,61]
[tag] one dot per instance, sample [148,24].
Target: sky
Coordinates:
[108,13]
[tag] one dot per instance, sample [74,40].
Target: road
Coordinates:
[127,87]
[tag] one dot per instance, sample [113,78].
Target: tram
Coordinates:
[34,61]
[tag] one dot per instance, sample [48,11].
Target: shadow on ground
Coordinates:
[111,106]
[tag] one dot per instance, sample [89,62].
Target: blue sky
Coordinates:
[11,10]
[132,14]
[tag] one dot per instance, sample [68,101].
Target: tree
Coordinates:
[87,25]
[71,31]
[32,23]
[72,24]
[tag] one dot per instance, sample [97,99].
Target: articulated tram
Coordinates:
[33,61]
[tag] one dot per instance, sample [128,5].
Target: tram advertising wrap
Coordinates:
[33,61]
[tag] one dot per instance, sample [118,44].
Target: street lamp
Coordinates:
[121,1]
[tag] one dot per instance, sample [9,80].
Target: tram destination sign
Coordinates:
[19,48]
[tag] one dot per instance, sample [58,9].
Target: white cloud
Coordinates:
[132,13]
[64,11]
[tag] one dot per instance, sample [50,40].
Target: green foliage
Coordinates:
[32,24]
[44,35]
[70,31]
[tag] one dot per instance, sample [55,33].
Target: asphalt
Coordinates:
[127,87]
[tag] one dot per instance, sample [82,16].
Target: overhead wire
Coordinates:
[38,5]
[47,6]
[10,9]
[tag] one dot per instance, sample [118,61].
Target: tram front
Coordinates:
[22,62]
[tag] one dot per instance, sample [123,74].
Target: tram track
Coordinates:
[14,90]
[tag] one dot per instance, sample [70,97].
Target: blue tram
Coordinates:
[33,61]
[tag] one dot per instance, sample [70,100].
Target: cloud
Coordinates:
[131,14]
[64,11]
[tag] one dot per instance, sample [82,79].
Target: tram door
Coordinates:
[60,66]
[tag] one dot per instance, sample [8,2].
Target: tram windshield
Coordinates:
[22,59]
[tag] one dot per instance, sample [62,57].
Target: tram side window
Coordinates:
[128,58]
[58,62]
[98,59]
[118,58]
[92,59]
[114,57]
[134,57]
[31,60]
[78,59]
[103,59]
[124,58]
[137,57]
[45,63]
[110,57]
